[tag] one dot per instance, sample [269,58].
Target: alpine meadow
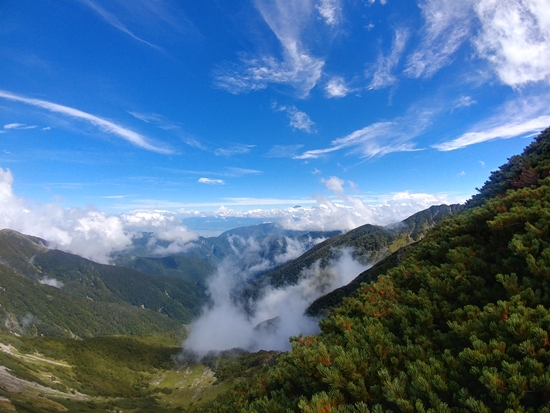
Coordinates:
[279,206]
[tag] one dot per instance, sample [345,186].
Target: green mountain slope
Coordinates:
[461,324]
[323,304]
[370,243]
[52,292]
[113,374]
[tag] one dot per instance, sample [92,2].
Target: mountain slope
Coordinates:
[52,292]
[461,324]
[199,259]
[370,243]
[334,299]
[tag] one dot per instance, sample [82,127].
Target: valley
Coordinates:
[82,336]
[88,337]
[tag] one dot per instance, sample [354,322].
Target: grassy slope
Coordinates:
[137,373]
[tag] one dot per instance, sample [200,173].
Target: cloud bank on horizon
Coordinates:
[356,112]
[97,235]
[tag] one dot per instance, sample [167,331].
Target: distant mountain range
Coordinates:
[51,292]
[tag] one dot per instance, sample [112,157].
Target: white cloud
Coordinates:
[463,102]
[526,116]
[111,19]
[234,150]
[383,76]
[102,124]
[52,282]
[19,126]
[447,26]
[506,131]
[334,184]
[297,68]
[351,212]
[336,88]
[378,139]
[209,181]
[242,171]
[330,11]
[513,36]
[515,39]
[283,151]
[158,120]
[298,119]
[226,324]
[327,214]
[85,231]
[164,226]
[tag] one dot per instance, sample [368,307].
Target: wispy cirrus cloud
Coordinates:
[19,126]
[297,68]
[154,118]
[210,181]
[380,138]
[515,39]
[232,171]
[383,76]
[464,102]
[234,150]
[113,20]
[523,117]
[298,119]
[506,131]
[102,124]
[512,36]
[283,151]
[330,11]
[447,25]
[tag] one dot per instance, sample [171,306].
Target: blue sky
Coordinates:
[358,111]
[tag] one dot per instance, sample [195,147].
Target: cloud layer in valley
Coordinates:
[272,318]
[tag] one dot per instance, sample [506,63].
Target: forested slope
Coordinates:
[461,324]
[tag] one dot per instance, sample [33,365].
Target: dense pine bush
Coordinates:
[460,325]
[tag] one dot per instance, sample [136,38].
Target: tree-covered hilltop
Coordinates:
[460,325]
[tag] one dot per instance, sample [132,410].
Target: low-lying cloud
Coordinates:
[275,316]
[52,282]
